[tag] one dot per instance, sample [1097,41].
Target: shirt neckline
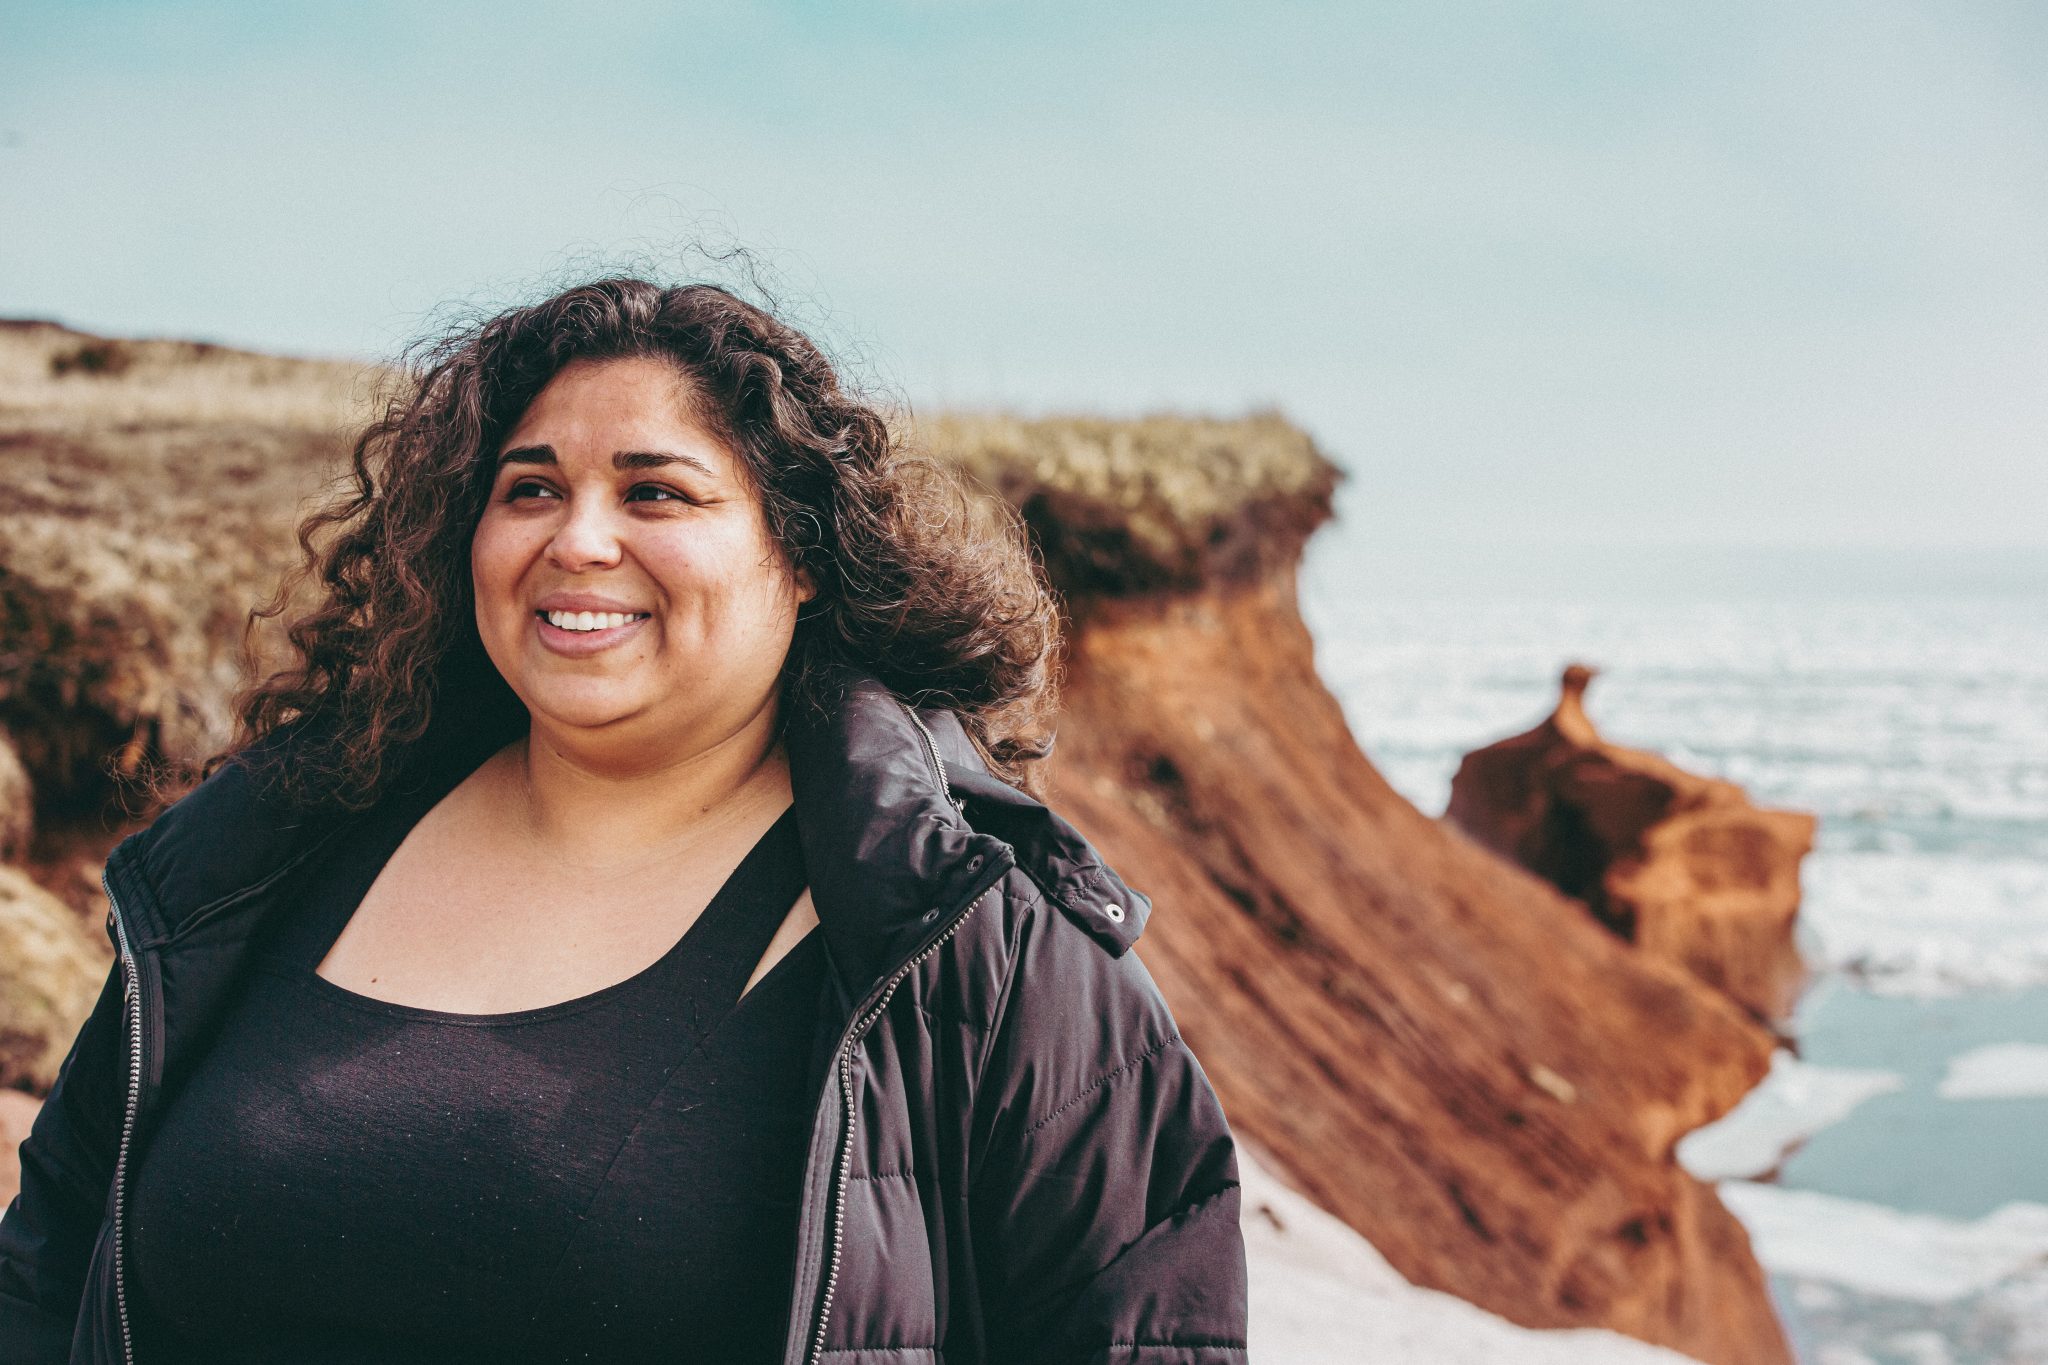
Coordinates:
[750,869]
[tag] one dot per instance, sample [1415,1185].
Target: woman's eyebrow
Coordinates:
[655,459]
[621,459]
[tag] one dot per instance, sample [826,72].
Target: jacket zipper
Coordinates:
[837,1194]
[132,999]
[931,748]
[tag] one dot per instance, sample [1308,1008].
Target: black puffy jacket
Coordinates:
[1015,1158]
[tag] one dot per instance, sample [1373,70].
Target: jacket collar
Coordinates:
[894,837]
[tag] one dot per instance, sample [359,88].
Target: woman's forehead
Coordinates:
[595,408]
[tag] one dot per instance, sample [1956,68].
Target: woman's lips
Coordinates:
[577,643]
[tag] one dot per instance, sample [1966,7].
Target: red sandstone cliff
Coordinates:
[1431,1042]
[1435,1045]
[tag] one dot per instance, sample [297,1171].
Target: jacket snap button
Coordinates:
[1114,911]
[931,914]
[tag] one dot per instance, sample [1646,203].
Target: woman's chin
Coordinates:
[591,710]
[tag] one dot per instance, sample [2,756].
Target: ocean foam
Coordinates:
[1880,1251]
[1793,1103]
[2001,1071]
[1928,924]
[1322,1295]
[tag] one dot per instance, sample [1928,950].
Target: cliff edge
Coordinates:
[1430,1041]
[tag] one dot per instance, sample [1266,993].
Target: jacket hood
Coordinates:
[897,815]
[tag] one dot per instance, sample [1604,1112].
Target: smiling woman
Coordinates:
[629,930]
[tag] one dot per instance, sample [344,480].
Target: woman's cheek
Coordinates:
[492,567]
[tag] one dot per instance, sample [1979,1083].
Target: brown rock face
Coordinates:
[17,1116]
[50,970]
[1432,1043]
[1684,867]
[17,804]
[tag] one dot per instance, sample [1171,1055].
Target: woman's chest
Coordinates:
[614,1174]
[453,913]
[483,928]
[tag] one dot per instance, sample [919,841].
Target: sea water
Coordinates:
[1894,1177]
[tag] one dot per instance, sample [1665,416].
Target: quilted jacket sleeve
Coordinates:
[1104,1196]
[67,1166]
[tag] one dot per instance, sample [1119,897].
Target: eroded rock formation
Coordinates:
[1682,866]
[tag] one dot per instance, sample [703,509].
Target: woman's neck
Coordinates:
[582,812]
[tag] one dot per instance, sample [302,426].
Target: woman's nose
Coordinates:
[587,536]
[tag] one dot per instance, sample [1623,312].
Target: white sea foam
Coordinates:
[1920,1348]
[2000,1071]
[2023,1302]
[1322,1295]
[1793,1103]
[1923,923]
[1881,1251]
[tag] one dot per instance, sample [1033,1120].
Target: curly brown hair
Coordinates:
[925,579]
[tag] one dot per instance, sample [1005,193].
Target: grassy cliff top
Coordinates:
[1161,502]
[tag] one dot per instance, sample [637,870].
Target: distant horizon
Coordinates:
[1703,573]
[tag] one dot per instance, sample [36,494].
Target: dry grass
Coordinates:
[49,975]
[1158,503]
[55,373]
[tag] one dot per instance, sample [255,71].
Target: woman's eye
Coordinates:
[526,487]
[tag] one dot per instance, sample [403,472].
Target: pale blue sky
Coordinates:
[1627,274]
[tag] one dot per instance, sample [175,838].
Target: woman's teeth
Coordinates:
[590,620]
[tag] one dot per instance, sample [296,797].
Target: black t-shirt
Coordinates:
[614,1177]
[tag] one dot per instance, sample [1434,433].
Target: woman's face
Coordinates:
[609,499]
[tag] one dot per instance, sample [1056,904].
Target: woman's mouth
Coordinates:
[586,632]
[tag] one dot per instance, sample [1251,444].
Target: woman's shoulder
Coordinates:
[241,826]
[1085,1070]
[1053,950]
[1060,866]
[227,832]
